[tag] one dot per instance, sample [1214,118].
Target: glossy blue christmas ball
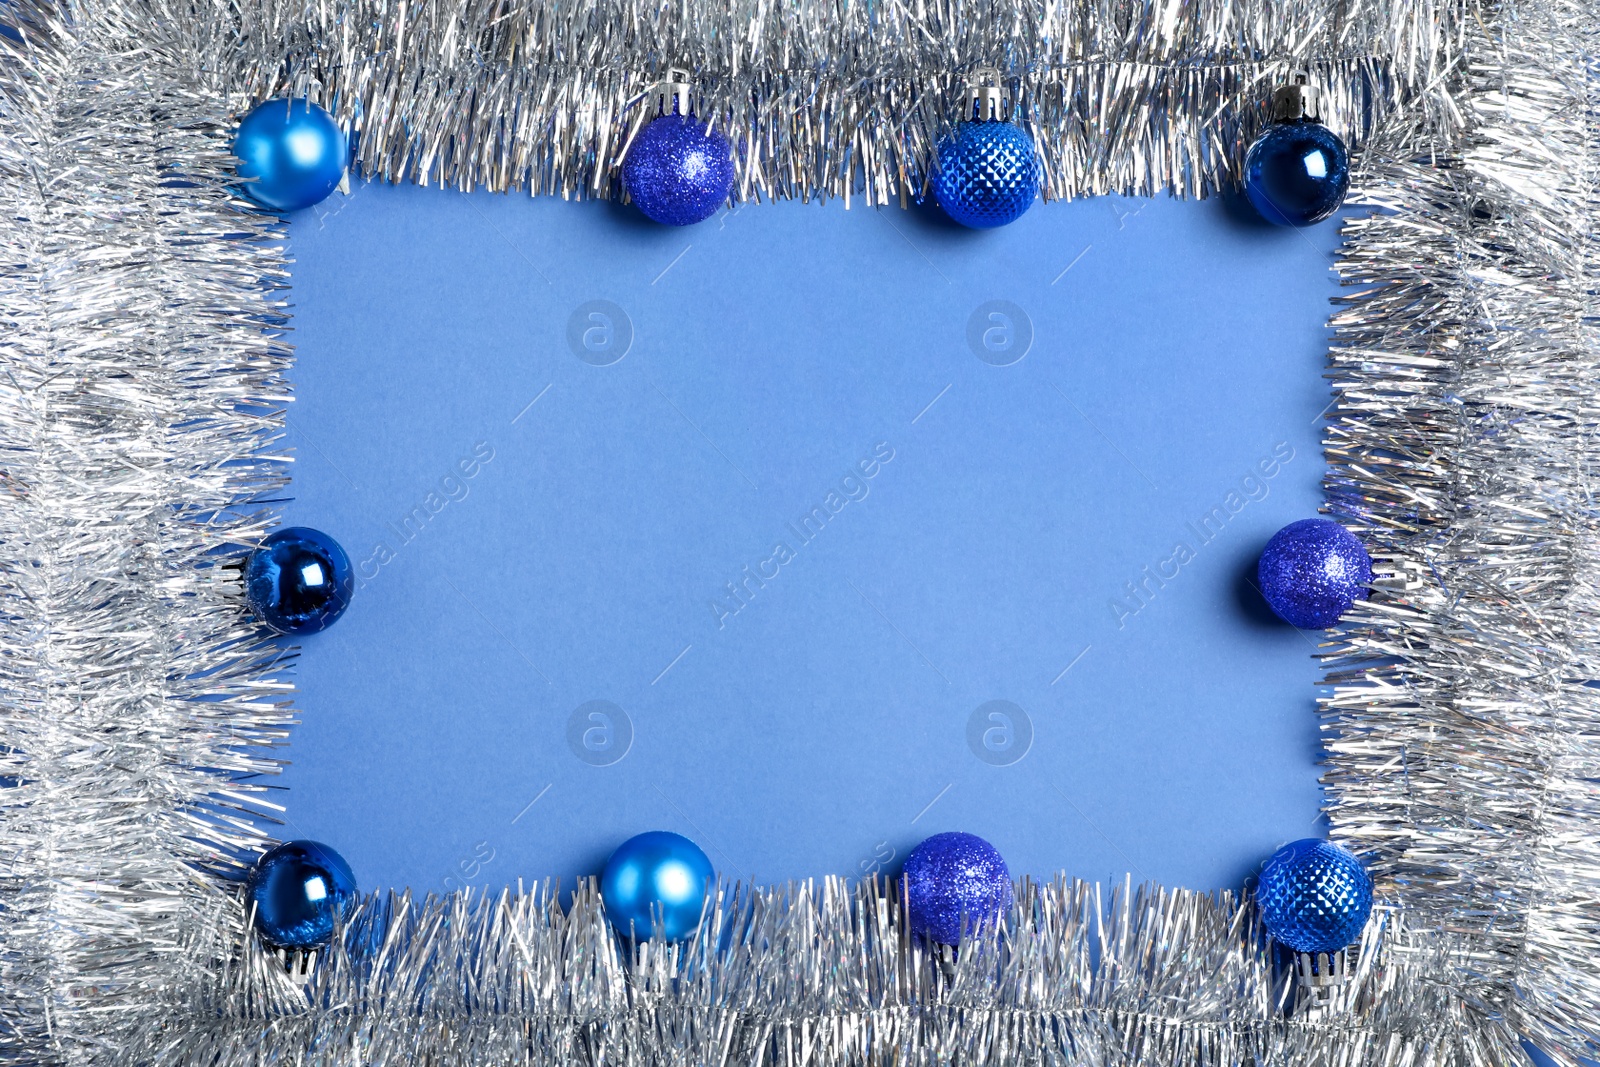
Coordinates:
[294,150]
[986,174]
[677,171]
[1297,173]
[298,581]
[951,879]
[1312,571]
[1314,896]
[298,890]
[656,876]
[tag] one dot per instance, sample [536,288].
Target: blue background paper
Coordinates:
[541,524]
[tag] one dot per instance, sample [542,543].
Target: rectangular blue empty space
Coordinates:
[806,532]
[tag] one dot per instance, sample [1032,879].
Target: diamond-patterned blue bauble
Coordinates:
[1314,896]
[952,881]
[1312,571]
[678,172]
[298,581]
[1297,173]
[986,174]
[297,890]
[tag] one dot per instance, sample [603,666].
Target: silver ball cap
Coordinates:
[1292,103]
[986,97]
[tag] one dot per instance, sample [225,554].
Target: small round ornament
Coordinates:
[1298,171]
[952,881]
[298,581]
[295,152]
[1314,896]
[298,890]
[656,877]
[986,173]
[677,171]
[1312,571]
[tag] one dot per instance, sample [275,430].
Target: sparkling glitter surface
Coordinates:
[1312,571]
[1314,896]
[952,879]
[987,174]
[678,172]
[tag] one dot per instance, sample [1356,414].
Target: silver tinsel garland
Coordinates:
[140,410]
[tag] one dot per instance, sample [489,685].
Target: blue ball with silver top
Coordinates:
[986,173]
[656,883]
[1298,171]
[292,154]
[298,891]
[678,171]
[1312,572]
[298,581]
[1314,896]
[955,883]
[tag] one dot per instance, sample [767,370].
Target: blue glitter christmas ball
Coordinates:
[986,174]
[656,876]
[1314,896]
[298,581]
[1297,173]
[1312,571]
[678,172]
[294,150]
[951,879]
[298,890]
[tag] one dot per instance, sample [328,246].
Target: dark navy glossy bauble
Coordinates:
[986,174]
[1314,896]
[295,152]
[298,891]
[298,581]
[1312,571]
[1297,173]
[656,876]
[952,880]
[677,171]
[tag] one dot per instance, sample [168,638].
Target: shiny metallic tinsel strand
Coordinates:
[1465,743]
[143,394]
[138,406]
[836,99]
[815,974]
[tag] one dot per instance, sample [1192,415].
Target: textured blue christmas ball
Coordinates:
[658,876]
[1314,896]
[677,171]
[298,581]
[1297,173]
[1312,571]
[294,150]
[986,174]
[951,879]
[298,890]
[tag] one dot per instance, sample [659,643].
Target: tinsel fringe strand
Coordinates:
[1464,737]
[141,407]
[841,100]
[821,974]
[140,403]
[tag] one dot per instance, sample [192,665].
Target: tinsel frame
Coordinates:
[144,376]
